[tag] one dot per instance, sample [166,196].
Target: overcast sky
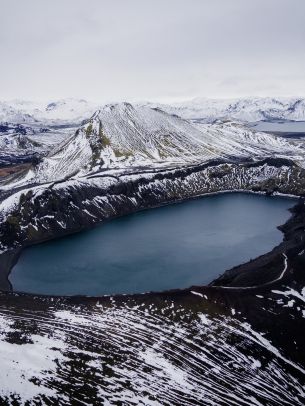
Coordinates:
[151,49]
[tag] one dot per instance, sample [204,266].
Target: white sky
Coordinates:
[151,49]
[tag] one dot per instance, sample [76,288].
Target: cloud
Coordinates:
[152,49]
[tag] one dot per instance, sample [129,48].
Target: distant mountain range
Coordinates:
[74,111]
[246,109]
[53,113]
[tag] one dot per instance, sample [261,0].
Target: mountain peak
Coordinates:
[123,135]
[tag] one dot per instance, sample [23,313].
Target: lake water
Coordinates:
[170,247]
[284,126]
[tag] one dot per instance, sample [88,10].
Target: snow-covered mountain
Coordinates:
[126,136]
[245,109]
[31,128]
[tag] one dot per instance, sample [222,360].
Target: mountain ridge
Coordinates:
[73,111]
[249,109]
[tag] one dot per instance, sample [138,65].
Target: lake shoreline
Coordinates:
[235,278]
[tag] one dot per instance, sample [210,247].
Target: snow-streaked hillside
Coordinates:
[199,350]
[245,109]
[124,136]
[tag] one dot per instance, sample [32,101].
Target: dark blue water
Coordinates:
[170,247]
